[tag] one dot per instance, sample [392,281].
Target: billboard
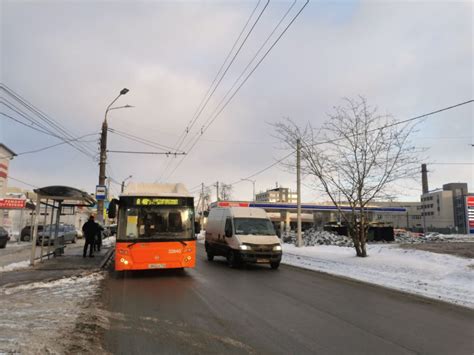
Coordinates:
[470,214]
[12,203]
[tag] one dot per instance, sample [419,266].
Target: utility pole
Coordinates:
[299,240]
[217,190]
[102,163]
[103,156]
[202,205]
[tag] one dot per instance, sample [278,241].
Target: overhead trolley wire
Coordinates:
[211,120]
[208,96]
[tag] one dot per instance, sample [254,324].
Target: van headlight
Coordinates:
[277,248]
[245,247]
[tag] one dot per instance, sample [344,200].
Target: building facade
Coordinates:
[6,155]
[279,194]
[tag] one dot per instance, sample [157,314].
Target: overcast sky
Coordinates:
[71,58]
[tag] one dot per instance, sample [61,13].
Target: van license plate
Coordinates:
[156,266]
[263,260]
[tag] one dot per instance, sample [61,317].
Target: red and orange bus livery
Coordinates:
[156,228]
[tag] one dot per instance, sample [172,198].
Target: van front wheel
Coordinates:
[275,265]
[210,256]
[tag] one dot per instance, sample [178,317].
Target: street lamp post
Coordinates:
[253,184]
[103,155]
[123,183]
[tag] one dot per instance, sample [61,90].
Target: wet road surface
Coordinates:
[256,310]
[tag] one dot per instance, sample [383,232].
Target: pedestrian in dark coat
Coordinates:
[90,229]
[98,238]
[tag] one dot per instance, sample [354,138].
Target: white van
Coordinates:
[242,235]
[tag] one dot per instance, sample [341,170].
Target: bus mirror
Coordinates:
[197,227]
[112,210]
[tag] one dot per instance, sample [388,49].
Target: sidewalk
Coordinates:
[70,264]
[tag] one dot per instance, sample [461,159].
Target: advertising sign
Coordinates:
[100,192]
[470,214]
[12,203]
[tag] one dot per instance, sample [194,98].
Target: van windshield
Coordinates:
[256,226]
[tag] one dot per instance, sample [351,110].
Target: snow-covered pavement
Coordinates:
[41,317]
[437,276]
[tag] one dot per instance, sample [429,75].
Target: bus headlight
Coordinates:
[277,248]
[245,247]
[124,261]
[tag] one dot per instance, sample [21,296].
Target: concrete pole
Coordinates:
[217,190]
[102,164]
[298,193]
[202,205]
[44,225]
[35,231]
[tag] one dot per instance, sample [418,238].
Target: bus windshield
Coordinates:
[156,223]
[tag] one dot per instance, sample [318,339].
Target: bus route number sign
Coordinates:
[156,202]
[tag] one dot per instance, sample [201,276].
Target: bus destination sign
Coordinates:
[156,202]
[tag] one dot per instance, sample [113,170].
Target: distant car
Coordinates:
[64,230]
[27,233]
[4,238]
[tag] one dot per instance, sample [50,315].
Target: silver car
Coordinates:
[64,230]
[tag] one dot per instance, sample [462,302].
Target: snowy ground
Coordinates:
[438,276]
[41,317]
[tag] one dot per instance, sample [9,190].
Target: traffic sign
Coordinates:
[100,192]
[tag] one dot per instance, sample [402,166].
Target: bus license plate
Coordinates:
[263,260]
[156,266]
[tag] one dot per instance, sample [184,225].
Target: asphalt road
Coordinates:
[215,309]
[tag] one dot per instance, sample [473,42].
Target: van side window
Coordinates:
[228,227]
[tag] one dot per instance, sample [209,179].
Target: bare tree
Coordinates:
[356,155]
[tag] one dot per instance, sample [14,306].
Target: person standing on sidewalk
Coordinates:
[90,230]
[98,239]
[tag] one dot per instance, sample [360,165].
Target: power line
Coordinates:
[50,121]
[224,73]
[205,128]
[139,139]
[375,129]
[52,146]
[25,124]
[23,182]
[138,152]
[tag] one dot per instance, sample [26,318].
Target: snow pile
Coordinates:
[437,276]
[40,317]
[412,238]
[108,242]
[312,237]
[15,266]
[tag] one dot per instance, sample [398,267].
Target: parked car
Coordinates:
[4,238]
[27,233]
[67,231]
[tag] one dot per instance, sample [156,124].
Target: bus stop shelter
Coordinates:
[61,200]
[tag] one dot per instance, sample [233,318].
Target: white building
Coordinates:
[279,194]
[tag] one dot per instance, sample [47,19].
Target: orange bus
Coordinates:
[155,228]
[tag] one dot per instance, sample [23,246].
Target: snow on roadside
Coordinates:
[437,276]
[40,317]
[15,266]
[109,242]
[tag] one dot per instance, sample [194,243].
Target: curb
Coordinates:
[107,257]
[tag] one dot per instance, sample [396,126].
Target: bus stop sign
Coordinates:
[100,192]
